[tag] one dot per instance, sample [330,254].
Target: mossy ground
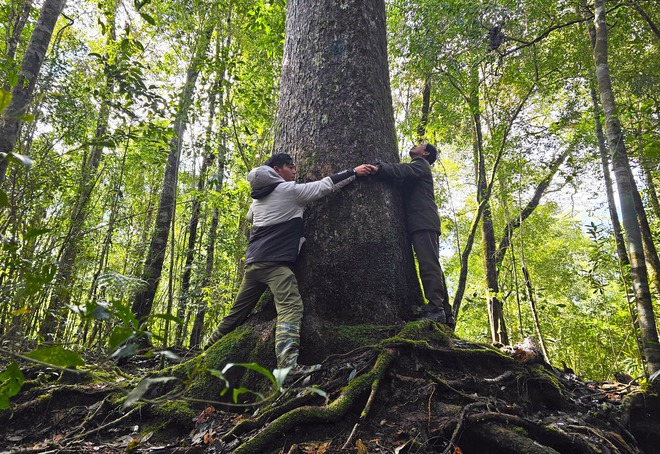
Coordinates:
[411,388]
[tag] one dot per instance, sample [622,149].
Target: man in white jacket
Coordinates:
[276,213]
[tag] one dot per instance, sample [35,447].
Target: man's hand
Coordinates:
[365,169]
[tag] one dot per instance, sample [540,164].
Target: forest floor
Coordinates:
[422,391]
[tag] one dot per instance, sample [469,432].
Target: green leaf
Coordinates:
[5,99]
[101,312]
[124,313]
[13,79]
[142,388]
[20,158]
[148,18]
[4,200]
[126,350]
[57,356]
[255,367]
[32,233]
[236,392]
[221,376]
[318,391]
[11,381]
[120,334]
[28,118]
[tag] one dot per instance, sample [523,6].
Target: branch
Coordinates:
[529,209]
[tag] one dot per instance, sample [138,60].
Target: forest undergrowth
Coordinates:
[420,391]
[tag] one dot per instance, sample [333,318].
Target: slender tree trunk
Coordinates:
[646,318]
[201,305]
[650,251]
[34,55]
[20,22]
[652,25]
[335,78]
[57,310]
[156,255]
[607,178]
[650,184]
[535,314]
[426,107]
[208,159]
[462,278]
[495,309]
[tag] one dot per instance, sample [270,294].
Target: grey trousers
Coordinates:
[280,279]
[426,244]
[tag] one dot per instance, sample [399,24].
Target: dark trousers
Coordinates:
[426,244]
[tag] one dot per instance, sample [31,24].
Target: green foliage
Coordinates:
[112,85]
[11,381]
[56,356]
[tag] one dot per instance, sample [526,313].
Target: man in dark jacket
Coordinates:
[276,213]
[423,227]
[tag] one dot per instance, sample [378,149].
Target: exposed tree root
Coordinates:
[421,391]
[314,415]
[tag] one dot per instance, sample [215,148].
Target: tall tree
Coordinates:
[623,174]
[335,112]
[57,308]
[21,93]
[144,298]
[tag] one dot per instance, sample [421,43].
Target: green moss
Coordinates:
[353,336]
[521,431]
[176,411]
[422,333]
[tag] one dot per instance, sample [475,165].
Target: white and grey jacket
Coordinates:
[277,211]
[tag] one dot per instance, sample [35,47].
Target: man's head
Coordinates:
[425,150]
[283,164]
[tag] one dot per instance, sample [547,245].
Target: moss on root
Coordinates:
[347,399]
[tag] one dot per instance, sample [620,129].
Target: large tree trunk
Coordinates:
[30,67]
[156,255]
[646,318]
[335,112]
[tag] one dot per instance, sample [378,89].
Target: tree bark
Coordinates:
[607,177]
[209,157]
[156,254]
[33,58]
[623,175]
[498,330]
[650,183]
[20,22]
[335,112]
[426,108]
[650,251]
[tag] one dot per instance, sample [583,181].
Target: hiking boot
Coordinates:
[450,321]
[434,314]
[287,342]
[300,371]
[215,337]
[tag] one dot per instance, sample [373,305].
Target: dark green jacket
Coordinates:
[418,195]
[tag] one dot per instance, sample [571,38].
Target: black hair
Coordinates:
[279,160]
[433,153]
